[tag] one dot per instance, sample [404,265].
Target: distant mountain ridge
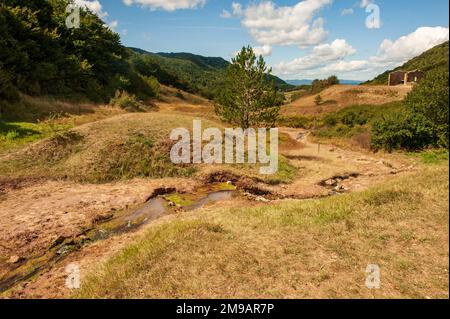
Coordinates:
[434,59]
[308,82]
[191,72]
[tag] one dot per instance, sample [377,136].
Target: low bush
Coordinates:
[425,122]
[403,131]
[126,101]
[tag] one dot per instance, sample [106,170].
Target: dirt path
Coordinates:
[335,168]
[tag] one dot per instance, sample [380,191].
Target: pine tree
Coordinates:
[248,98]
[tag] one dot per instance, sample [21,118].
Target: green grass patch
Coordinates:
[431,157]
[18,134]
[179,199]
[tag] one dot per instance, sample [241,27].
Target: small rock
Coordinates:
[229,183]
[14,259]
[331,182]
[262,199]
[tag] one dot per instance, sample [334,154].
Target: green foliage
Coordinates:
[352,118]
[425,123]
[318,100]
[40,56]
[430,99]
[402,131]
[126,101]
[188,72]
[319,85]
[435,59]
[435,156]
[355,121]
[247,98]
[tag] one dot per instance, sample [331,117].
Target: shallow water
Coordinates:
[152,210]
[210,198]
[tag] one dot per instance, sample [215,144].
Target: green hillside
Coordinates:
[186,71]
[431,60]
[40,56]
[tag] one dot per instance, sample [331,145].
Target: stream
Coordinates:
[123,222]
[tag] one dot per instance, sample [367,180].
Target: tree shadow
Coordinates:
[19,131]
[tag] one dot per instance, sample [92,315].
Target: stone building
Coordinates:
[405,77]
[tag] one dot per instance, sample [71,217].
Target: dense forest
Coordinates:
[40,56]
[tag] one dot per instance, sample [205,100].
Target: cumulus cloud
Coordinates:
[93,5]
[345,66]
[409,46]
[319,56]
[168,5]
[297,25]
[265,50]
[328,59]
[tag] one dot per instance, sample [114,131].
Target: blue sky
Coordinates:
[300,40]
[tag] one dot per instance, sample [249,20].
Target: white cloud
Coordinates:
[365,3]
[237,8]
[168,5]
[296,25]
[226,14]
[319,56]
[390,54]
[265,50]
[347,12]
[113,25]
[397,52]
[345,66]
[93,5]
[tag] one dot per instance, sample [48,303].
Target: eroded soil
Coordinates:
[37,215]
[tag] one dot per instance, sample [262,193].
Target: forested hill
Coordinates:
[40,55]
[435,59]
[187,71]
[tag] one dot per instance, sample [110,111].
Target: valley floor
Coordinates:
[296,241]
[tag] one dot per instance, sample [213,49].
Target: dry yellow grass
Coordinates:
[295,249]
[341,96]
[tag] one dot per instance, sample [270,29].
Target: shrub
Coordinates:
[424,124]
[352,119]
[318,100]
[402,131]
[153,84]
[126,101]
[430,99]
[12,135]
